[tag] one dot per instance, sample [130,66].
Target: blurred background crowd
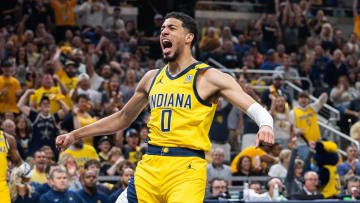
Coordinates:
[67,63]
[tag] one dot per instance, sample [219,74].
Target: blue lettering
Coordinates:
[179,100]
[159,101]
[166,95]
[171,100]
[152,101]
[188,102]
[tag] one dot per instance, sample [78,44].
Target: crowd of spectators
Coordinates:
[67,63]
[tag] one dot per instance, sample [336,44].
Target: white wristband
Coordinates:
[259,115]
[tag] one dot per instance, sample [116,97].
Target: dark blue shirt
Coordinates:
[317,71]
[242,48]
[268,66]
[115,195]
[44,131]
[99,197]
[34,198]
[344,168]
[43,188]
[61,197]
[332,73]
[219,131]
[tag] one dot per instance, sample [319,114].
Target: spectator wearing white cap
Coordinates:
[83,87]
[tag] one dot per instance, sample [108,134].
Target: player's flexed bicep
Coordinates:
[213,82]
[218,82]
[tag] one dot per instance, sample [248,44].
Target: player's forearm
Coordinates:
[105,126]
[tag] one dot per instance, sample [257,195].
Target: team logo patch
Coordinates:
[160,81]
[189,166]
[1,139]
[188,78]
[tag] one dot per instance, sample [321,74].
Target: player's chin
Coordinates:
[168,58]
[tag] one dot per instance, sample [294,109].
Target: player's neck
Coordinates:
[181,63]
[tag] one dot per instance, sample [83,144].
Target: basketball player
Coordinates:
[8,147]
[182,98]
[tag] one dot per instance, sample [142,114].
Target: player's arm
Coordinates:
[13,152]
[218,82]
[117,121]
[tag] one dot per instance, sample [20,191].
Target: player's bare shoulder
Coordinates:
[213,78]
[146,80]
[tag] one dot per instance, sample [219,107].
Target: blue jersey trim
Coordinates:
[182,73]
[131,192]
[195,90]
[174,151]
[153,81]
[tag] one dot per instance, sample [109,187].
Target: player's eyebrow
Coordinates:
[168,25]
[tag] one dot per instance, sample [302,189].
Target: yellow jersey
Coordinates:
[70,84]
[8,100]
[357,26]
[82,156]
[53,93]
[307,120]
[333,187]
[64,12]
[84,122]
[4,149]
[179,117]
[38,177]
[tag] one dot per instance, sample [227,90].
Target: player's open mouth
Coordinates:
[167,44]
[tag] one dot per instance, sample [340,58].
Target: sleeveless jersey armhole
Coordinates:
[6,141]
[198,70]
[154,79]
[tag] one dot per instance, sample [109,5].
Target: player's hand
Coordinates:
[265,135]
[64,141]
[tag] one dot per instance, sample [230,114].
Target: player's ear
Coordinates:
[189,37]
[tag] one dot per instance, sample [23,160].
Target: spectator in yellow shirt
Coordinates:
[38,173]
[48,88]
[9,89]
[260,153]
[81,152]
[67,75]
[356,19]
[64,17]
[82,117]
